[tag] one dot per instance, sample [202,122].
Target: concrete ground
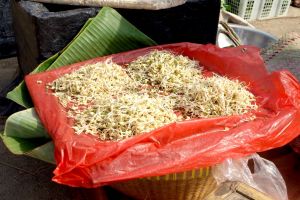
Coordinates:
[26,178]
[280,26]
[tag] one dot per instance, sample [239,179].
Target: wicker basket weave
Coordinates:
[191,185]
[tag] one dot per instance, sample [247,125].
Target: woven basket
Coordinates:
[191,185]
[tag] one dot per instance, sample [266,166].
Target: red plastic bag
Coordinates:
[296,145]
[83,160]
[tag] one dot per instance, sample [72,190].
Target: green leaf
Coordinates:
[20,94]
[106,34]
[25,124]
[44,153]
[20,146]
[24,132]
[89,45]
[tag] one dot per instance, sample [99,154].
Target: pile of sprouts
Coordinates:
[159,88]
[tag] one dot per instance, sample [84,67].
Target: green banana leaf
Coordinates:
[24,132]
[105,34]
[44,153]
[25,123]
[20,94]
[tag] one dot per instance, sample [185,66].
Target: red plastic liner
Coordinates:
[85,161]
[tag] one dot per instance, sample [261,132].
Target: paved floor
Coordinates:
[26,178]
[282,25]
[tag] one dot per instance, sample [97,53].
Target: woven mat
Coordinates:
[284,54]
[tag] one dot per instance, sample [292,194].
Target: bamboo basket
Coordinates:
[191,185]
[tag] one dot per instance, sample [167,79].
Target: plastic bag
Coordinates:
[265,176]
[284,54]
[83,160]
[296,145]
